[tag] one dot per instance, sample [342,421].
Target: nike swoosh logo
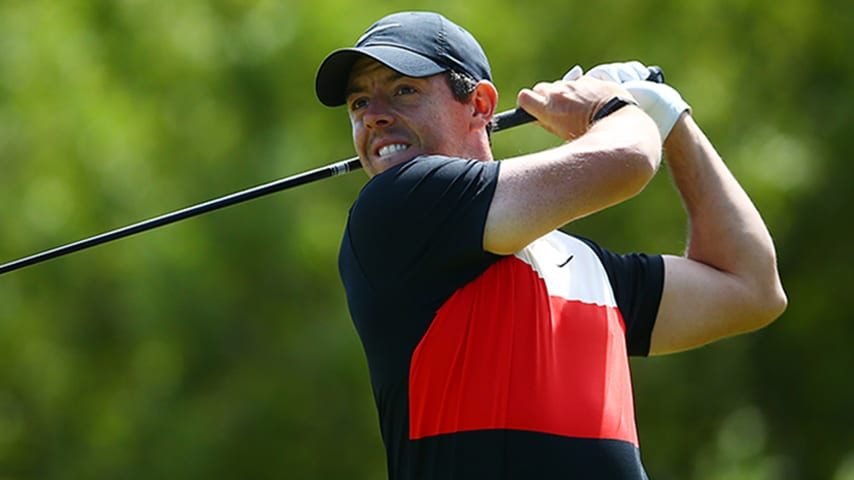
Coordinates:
[375,30]
[561,265]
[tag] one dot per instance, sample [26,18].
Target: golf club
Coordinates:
[502,121]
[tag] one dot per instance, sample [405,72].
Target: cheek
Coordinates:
[450,124]
[356,132]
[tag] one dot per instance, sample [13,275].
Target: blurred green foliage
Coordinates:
[220,347]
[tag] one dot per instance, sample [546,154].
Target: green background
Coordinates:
[220,347]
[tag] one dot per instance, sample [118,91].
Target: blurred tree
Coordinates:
[221,346]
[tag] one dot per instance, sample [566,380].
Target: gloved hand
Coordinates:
[573,74]
[620,72]
[660,101]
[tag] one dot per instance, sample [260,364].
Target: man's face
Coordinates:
[397,118]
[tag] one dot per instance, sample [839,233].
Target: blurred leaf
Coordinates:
[221,346]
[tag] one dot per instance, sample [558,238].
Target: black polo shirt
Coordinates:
[487,366]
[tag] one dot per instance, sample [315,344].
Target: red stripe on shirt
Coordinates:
[502,353]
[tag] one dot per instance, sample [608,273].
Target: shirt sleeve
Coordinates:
[637,280]
[421,223]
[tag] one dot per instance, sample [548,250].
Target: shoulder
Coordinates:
[632,272]
[615,261]
[427,181]
[419,220]
[431,170]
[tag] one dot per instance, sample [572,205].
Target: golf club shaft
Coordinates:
[331,170]
[502,121]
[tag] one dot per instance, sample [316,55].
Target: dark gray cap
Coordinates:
[415,44]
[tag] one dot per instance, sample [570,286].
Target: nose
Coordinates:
[377,115]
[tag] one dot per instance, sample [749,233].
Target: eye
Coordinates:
[406,90]
[357,103]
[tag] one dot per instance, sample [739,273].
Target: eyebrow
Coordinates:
[357,87]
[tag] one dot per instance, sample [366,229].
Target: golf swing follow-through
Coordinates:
[498,345]
[502,121]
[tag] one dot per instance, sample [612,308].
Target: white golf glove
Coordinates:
[620,72]
[660,101]
[573,74]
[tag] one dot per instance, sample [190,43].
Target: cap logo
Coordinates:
[375,30]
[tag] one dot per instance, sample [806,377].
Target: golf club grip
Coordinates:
[514,118]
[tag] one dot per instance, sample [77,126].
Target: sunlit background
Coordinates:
[221,347]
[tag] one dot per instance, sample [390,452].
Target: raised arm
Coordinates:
[727,281]
[603,164]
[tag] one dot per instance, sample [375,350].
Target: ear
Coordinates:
[484,100]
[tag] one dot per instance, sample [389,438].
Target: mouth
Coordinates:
[391,149]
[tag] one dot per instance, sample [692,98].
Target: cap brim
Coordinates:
[334,72]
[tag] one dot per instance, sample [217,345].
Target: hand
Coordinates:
[620,72]
[661,102]
[573,74]
[566,107]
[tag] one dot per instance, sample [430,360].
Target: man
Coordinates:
[497,346]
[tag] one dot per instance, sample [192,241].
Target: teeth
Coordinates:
[389,149]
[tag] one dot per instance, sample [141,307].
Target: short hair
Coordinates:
[462,85]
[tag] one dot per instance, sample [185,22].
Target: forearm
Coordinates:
[539,192]
[726,230]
